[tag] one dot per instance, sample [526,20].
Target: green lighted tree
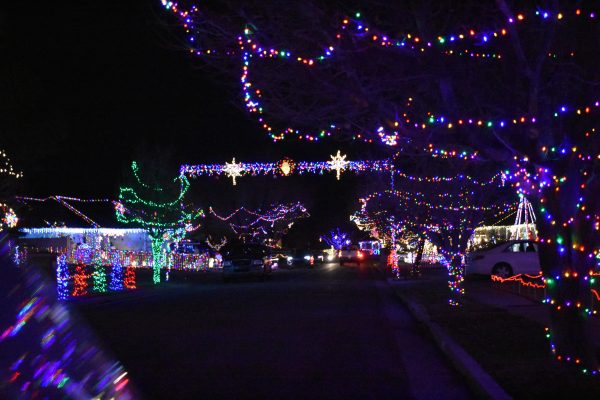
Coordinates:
[160,210]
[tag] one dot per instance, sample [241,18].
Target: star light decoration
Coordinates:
[338,163]
[233,170]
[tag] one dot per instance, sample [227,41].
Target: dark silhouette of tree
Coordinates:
[499,80]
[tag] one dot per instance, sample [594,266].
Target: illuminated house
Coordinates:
[60,223]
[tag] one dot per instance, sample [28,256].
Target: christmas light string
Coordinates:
[475,36]
[335,238]
[436,121]
[63,200]
[441,229]
[276,213]
[135,169]
[6,167]
[167,220]
[252,95]
[115,260]
[287,167]
[258,223]
[216,246]
[529,179]
[523,280]
[413,198]
[116,276]
[79,281]
[62,277]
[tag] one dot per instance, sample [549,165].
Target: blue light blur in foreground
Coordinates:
[44,352]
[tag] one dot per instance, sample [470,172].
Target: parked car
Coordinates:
[351,254]
[505,259]
[306,257]
[283,257]
[246,260]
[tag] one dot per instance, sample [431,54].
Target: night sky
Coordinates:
[86,85]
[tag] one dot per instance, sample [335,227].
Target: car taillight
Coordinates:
[360,254]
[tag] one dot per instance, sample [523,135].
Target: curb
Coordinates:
[478,379]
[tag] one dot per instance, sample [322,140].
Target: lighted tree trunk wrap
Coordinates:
[568,264]
[158,258]
[79,281]
[116,274]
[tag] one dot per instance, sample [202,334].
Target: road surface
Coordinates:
[328,332]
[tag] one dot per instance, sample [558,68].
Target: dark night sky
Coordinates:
[85,83]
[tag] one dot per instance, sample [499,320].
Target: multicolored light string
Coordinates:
[251,223]
[249,48]
[285,167]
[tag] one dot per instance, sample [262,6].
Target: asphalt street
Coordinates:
[328,332]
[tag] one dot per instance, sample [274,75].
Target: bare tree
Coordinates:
[514,83]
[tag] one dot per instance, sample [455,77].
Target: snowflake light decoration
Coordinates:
[338,163]
[233,170]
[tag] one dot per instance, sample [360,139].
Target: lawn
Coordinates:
[513,349]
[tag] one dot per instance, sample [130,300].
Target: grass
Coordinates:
[511,348]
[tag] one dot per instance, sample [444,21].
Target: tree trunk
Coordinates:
[455,280]
[567,264]
[158,258]
[416,268]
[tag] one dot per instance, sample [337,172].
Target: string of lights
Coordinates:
[6,167]
[477,37]
[285,167]
[418,200]
[277,219]
[338,163]
[64,201]
[164,220]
